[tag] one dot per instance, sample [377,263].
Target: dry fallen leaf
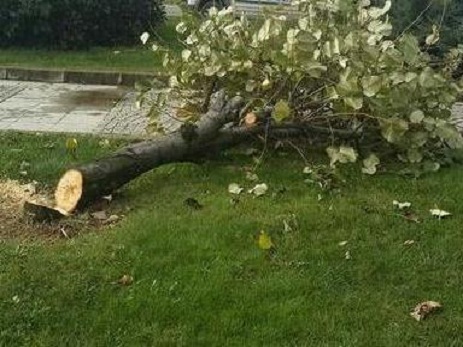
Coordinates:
[108,198]
[307,170]
[424,309]
[264,241]
[234,188]
[125,280]
[401,205]
[439,213]
[99,215]
[259,189]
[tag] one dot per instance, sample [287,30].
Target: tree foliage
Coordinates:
[335,65]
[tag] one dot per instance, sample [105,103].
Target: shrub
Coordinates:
[76,23]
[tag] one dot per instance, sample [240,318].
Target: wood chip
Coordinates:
[125,280]
[250,119]
[100,215]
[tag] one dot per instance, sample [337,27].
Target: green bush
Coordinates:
[73,24]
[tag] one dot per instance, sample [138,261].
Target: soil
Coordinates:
[14,224]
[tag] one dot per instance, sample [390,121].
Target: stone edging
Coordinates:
[79,77]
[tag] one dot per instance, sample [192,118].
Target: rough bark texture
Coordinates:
[105,175]
[85,183]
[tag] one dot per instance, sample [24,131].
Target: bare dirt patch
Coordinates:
[14,224]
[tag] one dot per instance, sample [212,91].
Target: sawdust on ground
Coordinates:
[15,225]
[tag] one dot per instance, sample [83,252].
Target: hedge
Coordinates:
[71,24]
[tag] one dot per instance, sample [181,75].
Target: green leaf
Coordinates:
[414,155]
[303,23]
[429,123]
[281,111]
[397,77]
[369,164]
[393,129]
[264,31]
[416,116]
[409,47]
[371,85]
[426,78]
[376,12]
[355,103]
[410,76]
[430,166]
[380,28]
[447,131]
[186,54]
[341,154]
[418,139]
[291,36]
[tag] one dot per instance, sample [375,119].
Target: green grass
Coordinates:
[123,59]
[200,279]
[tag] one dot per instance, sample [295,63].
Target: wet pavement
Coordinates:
[59,107]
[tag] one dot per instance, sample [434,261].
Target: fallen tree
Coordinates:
[83,184]
[334,75]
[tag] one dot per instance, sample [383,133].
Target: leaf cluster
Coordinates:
[334,64]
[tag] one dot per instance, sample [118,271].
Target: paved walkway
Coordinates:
[59,107]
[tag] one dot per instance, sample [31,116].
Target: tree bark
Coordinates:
[86,183]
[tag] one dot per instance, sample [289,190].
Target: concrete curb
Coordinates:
[80,77]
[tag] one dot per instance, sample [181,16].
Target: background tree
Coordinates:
[420,15]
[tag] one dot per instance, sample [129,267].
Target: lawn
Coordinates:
[201,280]
[123,59]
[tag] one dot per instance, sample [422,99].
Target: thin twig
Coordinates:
[415,21]
[298,150]
[264,150]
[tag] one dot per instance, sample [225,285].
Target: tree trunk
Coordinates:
[85,183]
